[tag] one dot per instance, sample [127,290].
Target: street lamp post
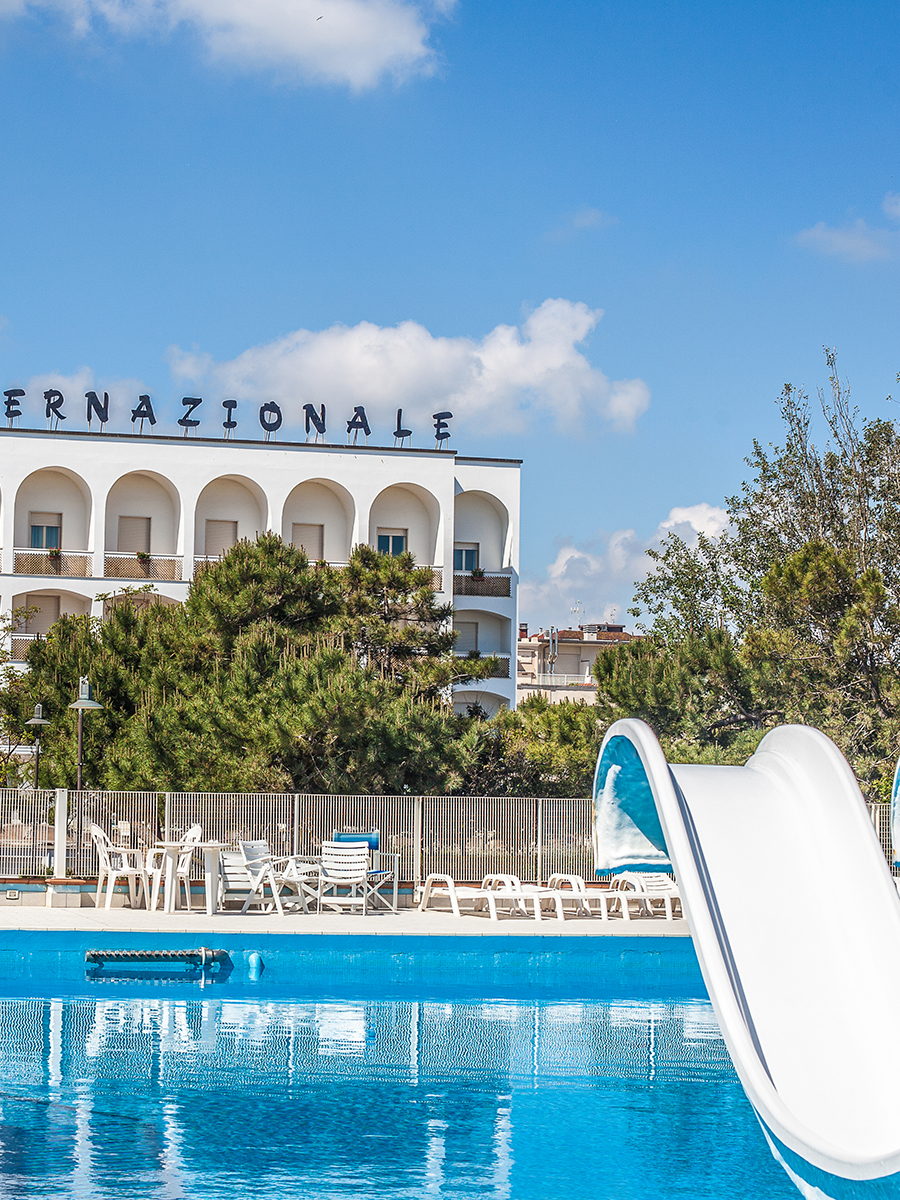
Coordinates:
[85,701]
[38,720]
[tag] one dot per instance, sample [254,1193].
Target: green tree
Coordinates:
[275,674]
[793,613]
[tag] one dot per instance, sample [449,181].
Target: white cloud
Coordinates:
[576,223]
[857,241]
[351,42]
[599,577]
[499,383]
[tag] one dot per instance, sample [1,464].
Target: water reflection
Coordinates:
[182,1098]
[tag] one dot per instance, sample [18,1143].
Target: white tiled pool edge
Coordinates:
[408,922]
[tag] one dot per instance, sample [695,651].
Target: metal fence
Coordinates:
[26,832]
[463,836]
[881,819]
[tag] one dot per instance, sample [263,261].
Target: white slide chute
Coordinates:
[796,923]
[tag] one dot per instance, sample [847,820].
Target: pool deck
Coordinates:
[408,922]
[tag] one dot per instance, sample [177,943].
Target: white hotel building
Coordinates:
[87,514]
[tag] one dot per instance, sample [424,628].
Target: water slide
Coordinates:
[796,922]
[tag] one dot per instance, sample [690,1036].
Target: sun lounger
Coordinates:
[574,892]
[510,890]
[443,886]
[650,887]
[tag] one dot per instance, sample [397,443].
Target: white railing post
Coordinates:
[295,840]
[167,818]
[540,840]
[60,832]
[417,843]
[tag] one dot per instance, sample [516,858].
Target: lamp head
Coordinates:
[38,718]
[85,695]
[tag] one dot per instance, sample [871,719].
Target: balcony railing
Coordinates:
[69,564]
[131,566]
[502,669]
[20,643]
[585,681]
[492,583]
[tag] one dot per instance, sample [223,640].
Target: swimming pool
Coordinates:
[394,1070]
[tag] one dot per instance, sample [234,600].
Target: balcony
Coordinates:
[569,681]
[66,564]
[20,643]
[133,566]
[502,669]
[495,584]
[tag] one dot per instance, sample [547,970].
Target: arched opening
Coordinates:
[53,511]
[142,512]
[405,517]
[229,509]
[40,609]
[480,525]
[318,515]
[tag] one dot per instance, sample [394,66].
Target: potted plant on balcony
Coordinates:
[143,561]
[477,573]
[54,557]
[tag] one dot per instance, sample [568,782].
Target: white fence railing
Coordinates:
[543,680]
[463,836]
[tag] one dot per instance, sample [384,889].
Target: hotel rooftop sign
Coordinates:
[269,415]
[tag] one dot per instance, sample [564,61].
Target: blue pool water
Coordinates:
[409,1070]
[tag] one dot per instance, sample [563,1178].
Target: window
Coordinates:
[392,541]
[47,611]
[134,535]
[466,637]
[45,530]
[220,537]
[465,556]
[310,538]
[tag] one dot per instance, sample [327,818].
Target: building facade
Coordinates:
[83,515]
[557,663]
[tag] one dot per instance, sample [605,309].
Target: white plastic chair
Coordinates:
[293,873]
[381,875]
[118,862]
[343,865]
[156,863]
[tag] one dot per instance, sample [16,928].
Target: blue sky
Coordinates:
[429,204]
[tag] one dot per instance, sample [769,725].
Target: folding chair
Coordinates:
[344,865]
[379,874]
[277,874]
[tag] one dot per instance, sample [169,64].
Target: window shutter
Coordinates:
[310,538]
[47,612]
[466,636]
[134,535]
[220,537]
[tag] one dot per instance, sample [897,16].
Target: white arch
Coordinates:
[412,507]
[233,498]
[55,490]
[481,519]
[145,494]
[326,503]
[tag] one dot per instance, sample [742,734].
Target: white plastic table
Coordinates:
[211,853]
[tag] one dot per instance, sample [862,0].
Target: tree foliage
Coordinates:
[275,674]
[793,613]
